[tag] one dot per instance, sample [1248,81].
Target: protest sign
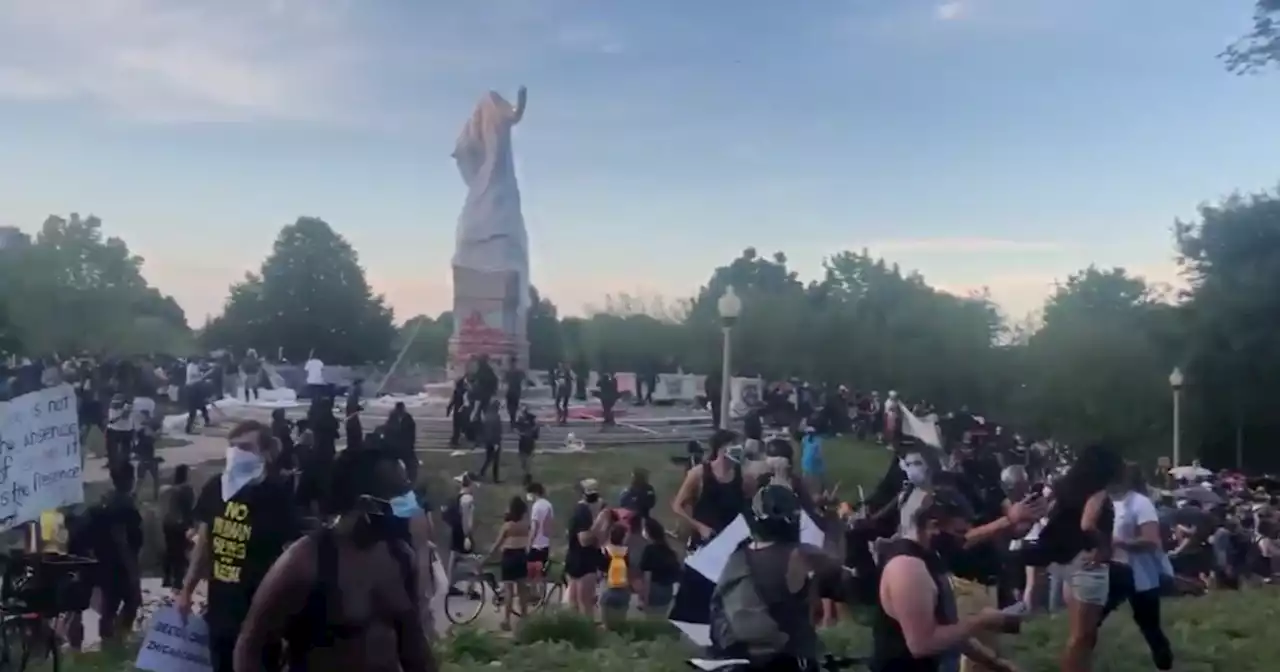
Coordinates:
[174,646]
[40,465]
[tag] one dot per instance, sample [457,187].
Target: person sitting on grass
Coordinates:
[616,599]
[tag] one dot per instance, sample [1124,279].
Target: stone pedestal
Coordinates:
[490,315]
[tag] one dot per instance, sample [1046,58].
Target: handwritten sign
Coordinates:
[174,646]
[40,467]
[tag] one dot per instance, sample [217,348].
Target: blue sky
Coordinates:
[997,143]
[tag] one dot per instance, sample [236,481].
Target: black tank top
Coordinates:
[889,646]
[719,503]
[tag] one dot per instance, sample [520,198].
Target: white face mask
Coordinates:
[916,471]
[243,468]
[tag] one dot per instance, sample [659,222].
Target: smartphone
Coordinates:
[1018,608]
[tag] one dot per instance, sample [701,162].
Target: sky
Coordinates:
[985,143]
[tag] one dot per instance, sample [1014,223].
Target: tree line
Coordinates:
[1095,365]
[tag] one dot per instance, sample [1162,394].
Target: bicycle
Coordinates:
[545,591]
[476,585]
[36,591]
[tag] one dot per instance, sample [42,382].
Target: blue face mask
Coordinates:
[405,506]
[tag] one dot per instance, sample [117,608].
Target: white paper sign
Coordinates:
[710,560]
[40,466]
[174,646]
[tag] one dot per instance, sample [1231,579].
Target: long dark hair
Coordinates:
[656,533]
[1096,467]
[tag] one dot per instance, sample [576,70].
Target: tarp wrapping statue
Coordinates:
[491,261]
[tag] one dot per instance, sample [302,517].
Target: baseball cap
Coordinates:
[589,486]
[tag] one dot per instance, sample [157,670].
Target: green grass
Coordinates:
[1225,632]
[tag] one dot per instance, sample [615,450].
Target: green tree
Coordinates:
[10,341]
[72,289]
[430,339]
[546,345]
[309,296]
[1260,48]
[1095,370]
[1232,258]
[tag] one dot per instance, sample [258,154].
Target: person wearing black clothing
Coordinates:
[712,388]
[780,570]
[282,430]
[916,627]
[401,432]
[583,558]
[458,410]
[660,566]
[515,379]
[354,428]
[608,385]
[251,373]
[562,389]
[713,493]
[246,519]
[1079,535]
[491,436]
[116,532]
[485,387]
[179,518]
[144,449]
[527,430]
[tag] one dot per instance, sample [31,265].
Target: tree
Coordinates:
[1095,371]
[430,339]
[71,290]
[546,345]
[1232,258]
[310,296]
[1260,48]
[10,341]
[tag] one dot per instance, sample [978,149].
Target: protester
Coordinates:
[246,518]
[760,609]
[179,519]
[115,526]
[513,562]
[491,436]
[661,569]
[615,601]
[582,557]
[345,597]
[459,515]
[251,374]
[515,381]
[1139,563]
[401,433]
[541,521]
[916,626]
[119,430]
[316,385]
[712,494]
[527,431]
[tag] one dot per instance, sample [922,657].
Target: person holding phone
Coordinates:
[916,626]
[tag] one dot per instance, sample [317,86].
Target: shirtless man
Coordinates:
[346,598]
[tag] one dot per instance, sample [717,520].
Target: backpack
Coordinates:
[616,576]
[326,594]
[742,625]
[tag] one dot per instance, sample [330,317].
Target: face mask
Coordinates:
[243,468]
[405,506]
[592,498]
[917,474]
[530,498]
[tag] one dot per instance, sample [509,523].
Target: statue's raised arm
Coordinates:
[522,97]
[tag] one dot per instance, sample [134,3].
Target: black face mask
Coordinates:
[592,498]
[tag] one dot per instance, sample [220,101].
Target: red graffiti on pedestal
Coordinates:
[476,337]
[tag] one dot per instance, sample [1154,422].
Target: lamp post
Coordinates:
[1175,383]
[729,307]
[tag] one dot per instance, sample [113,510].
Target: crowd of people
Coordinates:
[321,557]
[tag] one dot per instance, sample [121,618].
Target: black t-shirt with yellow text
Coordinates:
[246,535]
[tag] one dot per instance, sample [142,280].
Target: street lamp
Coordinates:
[729,307]
[1175,383]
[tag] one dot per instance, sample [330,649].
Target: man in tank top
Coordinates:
[713,493]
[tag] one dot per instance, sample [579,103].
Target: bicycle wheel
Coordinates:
[465,599]
[554,596]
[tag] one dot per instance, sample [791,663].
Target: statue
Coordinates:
[491,258]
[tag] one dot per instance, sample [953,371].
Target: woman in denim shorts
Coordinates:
[1081,524]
